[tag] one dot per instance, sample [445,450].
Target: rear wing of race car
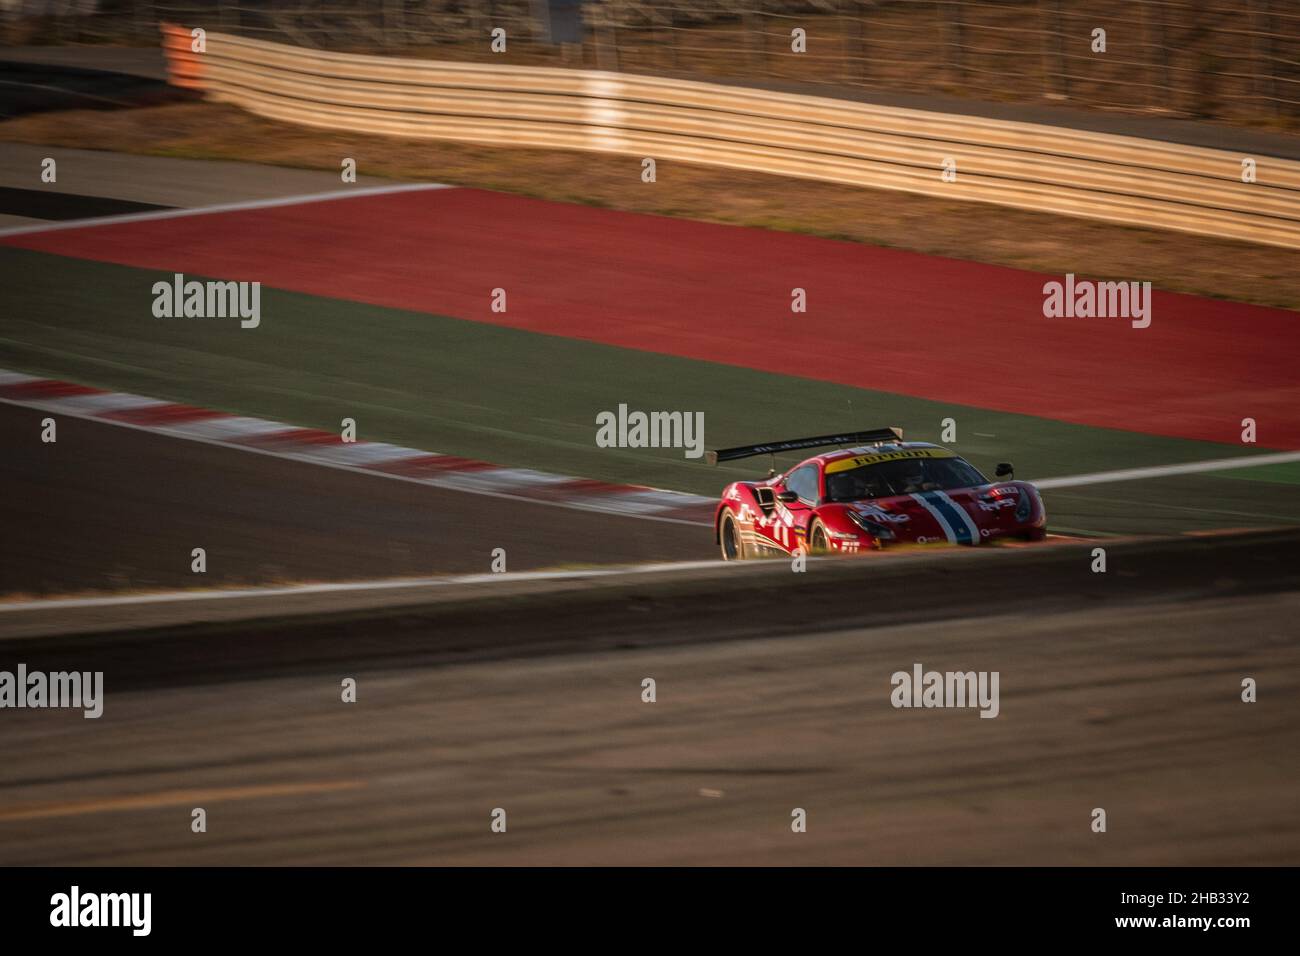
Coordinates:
[892,433]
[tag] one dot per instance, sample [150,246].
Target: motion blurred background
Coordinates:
[1231,62]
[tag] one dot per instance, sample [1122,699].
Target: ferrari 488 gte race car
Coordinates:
[883,491]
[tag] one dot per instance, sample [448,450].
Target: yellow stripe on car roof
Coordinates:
[844,464]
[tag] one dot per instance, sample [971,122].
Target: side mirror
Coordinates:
[1005,470]
[787,497]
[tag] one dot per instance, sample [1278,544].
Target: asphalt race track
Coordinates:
[1118,691]
[120,505]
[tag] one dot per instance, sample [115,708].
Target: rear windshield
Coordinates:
[904,477]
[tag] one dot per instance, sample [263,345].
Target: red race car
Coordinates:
[882,491]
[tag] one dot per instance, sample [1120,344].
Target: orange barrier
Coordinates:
[184,66]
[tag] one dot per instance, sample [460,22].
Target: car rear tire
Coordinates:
[729,539]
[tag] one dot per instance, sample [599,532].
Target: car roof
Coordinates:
[882,448]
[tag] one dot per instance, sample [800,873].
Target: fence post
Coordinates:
[1153,24]
[755,43]
[616,11]
[1266,80]
[955,24]
[606,40]
[673,55]
[1202,50]
[479,21]
[1053,50]
[856,48]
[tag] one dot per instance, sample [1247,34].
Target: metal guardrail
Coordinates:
[1094,175]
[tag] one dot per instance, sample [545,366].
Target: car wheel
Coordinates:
[818,542]
[733,548]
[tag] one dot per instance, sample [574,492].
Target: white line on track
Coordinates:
[390,584]
[1160,471]
[223,207]
[591,507]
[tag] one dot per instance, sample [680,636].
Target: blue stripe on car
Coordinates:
[947,509]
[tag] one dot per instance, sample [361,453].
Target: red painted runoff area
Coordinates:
[902,322]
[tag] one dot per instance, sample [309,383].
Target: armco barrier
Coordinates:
[1051,169]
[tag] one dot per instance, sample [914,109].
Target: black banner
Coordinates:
[330,906]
